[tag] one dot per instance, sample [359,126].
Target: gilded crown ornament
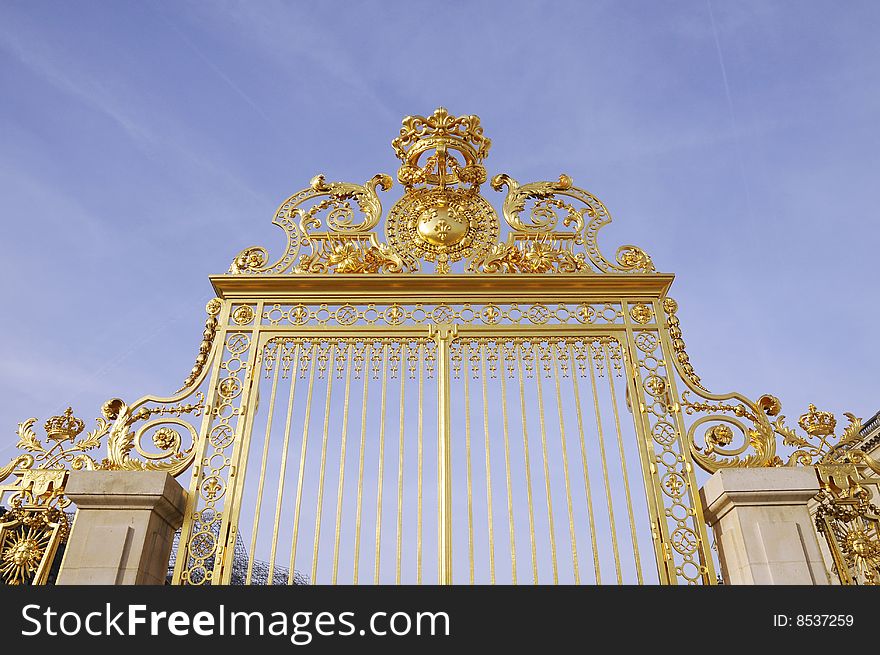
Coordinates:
[65,427]
[816,423]
[456,146]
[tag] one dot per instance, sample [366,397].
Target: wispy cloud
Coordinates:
[286,33]
[210,64]
[117,98]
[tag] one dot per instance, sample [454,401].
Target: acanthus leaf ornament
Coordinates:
[173,457]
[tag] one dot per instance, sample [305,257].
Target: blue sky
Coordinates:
[142,145]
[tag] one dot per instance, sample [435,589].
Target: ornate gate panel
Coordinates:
[326,460]
[514,421]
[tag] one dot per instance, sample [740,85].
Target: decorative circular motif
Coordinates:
[640,313]
[538,314]
[237,343]
[197,575]
[212,488]
[655,385]
[610,314]
[585,313]
[684,540]
[678,511]
[299,314]
[346,315]
[443,314]
[441,225]
[203,544]
[395,315]
[673,485]
[230,387]
[164,438]
[275,314]
[370,314]
[221,436]
[243,315]
[646,341]
[690,571]
[491,314]
[213,306]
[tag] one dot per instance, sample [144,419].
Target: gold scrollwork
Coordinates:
[442,217]
[172,458]
[733,418]
[562,222]
[300,223]
[65,451]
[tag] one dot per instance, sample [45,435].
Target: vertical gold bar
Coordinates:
[587,488]
[604,466]
[480,344]
[465,348]
[504,422]
[551,524]
[282,473]
[401,375]
[571,532]
[522,403]
[252,553]
[445,334]
[331,373]
[340,487]
[313,351]
[381,473]
[632,522]
[419,474]
[368,353]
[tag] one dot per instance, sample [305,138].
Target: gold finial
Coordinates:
[816,423]
[64,427]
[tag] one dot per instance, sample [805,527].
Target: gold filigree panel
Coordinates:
[487,314]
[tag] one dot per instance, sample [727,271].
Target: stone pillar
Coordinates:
[763,527]
[124,527]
